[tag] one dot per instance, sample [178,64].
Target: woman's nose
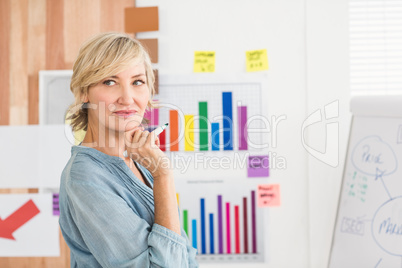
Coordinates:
[126,95]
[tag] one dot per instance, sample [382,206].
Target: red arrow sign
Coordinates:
[17,219]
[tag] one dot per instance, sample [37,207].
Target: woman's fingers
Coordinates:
[143,145]
[128,135]
[137,136]
[152,139]
[143,138]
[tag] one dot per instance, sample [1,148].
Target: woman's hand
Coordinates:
[143,147]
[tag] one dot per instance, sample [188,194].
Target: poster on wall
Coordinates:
[223,220]
[28,227]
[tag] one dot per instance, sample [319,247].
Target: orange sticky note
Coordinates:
[268,195]
[152,46]
[141,19]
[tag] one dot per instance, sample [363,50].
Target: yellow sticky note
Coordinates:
[78,135]
[204,61]
[256,60]
[188,132]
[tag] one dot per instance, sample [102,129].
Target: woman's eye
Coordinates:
[109,82]
[138,82]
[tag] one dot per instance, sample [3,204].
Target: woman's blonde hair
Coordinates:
[102,56]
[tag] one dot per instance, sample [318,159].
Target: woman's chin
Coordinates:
[130,126]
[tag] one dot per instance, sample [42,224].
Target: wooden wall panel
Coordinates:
[54,35]
[36,54]
[37,35]
[18,63]
[81,20]
[111,17]
[5,8]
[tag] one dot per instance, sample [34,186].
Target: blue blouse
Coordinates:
[107,216]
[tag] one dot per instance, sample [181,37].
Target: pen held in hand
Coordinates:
[157,131]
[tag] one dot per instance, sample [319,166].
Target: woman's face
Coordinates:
[118,102]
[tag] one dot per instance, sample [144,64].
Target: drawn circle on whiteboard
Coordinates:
[374,157]
[386,226]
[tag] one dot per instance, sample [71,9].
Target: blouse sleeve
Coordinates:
[117,236]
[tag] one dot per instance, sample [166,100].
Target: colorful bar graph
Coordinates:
[220,225]
[154,117]
[237,230]
[194,232]
[207,131]
[203,120]
[242,126]
[147,114]
[215,136]
[231,238]
[245,229]
[150,128]
[174,130]
[203,239]
[185,221]
[162,141]
[227,121]
[253,222]
[211,233]
[188,132]
[228,249]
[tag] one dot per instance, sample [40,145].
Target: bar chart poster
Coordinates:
[210,116]
[223,222]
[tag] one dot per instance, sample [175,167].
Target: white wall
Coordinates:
[327,42]
[301,79]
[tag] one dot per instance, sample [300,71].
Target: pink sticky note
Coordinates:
[268,195]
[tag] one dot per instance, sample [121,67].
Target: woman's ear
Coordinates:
[84,98]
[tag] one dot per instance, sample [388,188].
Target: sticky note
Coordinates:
[204,61]
[268,195]
[141,19]
[79,136]
[258,166]
[152,47]
[256,60]
[56,208]
[156,83]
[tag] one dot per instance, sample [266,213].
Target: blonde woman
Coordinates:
[114,211]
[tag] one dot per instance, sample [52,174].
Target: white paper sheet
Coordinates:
[33,156]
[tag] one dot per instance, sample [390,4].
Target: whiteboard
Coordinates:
[368,229]
[54,96]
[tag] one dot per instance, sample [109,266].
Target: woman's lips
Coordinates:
[125,113]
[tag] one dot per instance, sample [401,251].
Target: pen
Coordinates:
[157,131]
